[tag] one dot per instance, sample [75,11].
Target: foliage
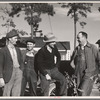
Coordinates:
[32,11]
[5,17]
[8,20]
[8,23]
[22,32]
[77,10]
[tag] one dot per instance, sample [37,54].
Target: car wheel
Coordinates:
[52,89]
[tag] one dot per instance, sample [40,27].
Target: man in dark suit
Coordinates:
[48,60]
[29,74]
[11,66]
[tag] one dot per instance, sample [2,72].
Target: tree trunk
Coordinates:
[32,31]
[74,30]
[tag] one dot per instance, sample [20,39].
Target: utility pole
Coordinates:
[32,28]
[74,28]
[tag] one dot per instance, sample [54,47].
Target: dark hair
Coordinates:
[30,40]
[84,34]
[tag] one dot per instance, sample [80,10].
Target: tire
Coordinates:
[52,90]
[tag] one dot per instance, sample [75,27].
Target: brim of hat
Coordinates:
[12,36]
[55,39]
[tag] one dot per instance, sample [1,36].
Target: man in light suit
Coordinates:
[11,66]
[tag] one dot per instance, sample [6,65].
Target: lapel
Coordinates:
[24,54]
[46,51]
[8,52]
[18,53]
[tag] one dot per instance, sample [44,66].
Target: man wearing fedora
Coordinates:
[11,66]
[29,73]
[48,65]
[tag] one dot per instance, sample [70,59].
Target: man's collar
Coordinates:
[32,51]
[85,44]
[88,44]
[49,48]
[10,46]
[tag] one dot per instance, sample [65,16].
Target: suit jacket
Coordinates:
[45,59]
[92,56]
[6,63]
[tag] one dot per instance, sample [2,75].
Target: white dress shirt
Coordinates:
[13,55]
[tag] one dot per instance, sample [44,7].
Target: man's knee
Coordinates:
[63,80]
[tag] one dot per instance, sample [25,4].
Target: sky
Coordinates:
[61,25]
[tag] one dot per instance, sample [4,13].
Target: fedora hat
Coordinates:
[49,38]
[12,33]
